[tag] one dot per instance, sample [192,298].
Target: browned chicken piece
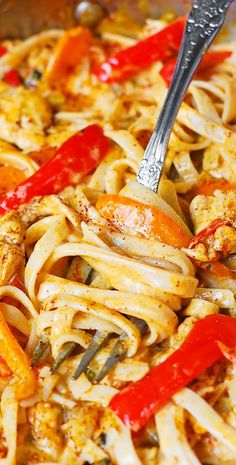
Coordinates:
[224,240]
[82,423]
[24,116]
[35,209]
[206,209]
[11,252]
[45,418]
[210,450]
[40,207]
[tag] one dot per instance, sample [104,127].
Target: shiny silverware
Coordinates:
[98,341]
[120,349]
[41,348]
[117,354]
[65,352]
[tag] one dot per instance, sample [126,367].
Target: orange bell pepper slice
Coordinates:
[209,186]
[135,218]
[43,155]
[17,362]
[10,177]
[217,269]
[69,51]
[4,369]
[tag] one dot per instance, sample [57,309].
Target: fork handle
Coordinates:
[203,23]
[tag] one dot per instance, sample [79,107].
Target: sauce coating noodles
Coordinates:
[73,264]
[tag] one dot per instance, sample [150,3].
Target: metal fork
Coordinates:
[117,354]
[203,23]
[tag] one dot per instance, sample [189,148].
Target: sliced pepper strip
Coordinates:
[10,177]
[209,186]
[208,231]
[214,58]
[69,52]
[80,154]
[3,50]
[216,269]
[132,60]
[4,369]
[136,218]
[12,78]
[17,361]
[140,400]
[43,155]
[210,59]
[16,281]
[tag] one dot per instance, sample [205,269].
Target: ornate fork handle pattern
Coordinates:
[204,21]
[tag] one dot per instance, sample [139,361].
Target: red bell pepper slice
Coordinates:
[210,59]
[12,78]
[140,400]
[208,231]
[3,50]
[132,60]
[214,58]
[80,154]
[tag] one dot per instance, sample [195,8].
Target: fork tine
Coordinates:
[141,324]
[41,348]
[98,340]
[118,352]
[63,355]
[120,348]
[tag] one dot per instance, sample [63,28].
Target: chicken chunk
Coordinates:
[40,207]
[82,424]
[24,116]
[206,209]
[210,450]
[44,418]
[11,252]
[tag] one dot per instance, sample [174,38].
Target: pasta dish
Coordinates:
[117,309]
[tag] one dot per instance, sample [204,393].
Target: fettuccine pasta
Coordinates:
[99,254]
